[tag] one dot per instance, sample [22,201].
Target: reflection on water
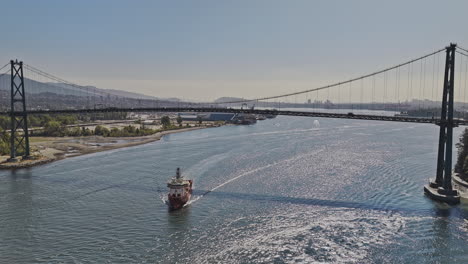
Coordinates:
[18,221]
[275,192]
[179,219]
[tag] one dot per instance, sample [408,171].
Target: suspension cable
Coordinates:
[466,74]
[334,84]
[465,50]
[58,79]
[5,72]
[4,66]
[52,77]
[461,53]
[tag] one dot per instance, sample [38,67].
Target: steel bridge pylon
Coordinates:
[441,188]
[19,137]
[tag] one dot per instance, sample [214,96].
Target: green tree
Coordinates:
[130,129]
[179,120]
[461,166]
[66,119]
[114,132]
[75,132]
[464,171]
[101,130]
[34,121]
[87,132]
[165,122]
[200,119]
[5,122]
[462,147]
[53,129]
[4,142]
[45,119]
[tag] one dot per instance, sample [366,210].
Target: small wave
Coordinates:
[332,236]
[255,170]
[226,182]
[196,198]
[162,197]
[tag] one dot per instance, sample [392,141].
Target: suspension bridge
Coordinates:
[406,92]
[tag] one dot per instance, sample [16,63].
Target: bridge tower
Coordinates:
[19,119]
[441,189]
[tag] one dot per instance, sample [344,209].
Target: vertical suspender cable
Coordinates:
[466,87]
[316,98]
[362,91]
[339,97]
[408,85]
[420,85]
[395,85]
[424,85]
[438,73]
[398,89]
[385,91]
[433,78]
[460,79]
[373,89]
[411,83]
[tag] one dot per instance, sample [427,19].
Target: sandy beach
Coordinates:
[48,149]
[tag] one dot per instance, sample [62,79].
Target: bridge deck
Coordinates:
[457,122]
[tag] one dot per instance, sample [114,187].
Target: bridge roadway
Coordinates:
[457,122]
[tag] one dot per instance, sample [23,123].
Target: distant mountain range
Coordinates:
[35,87]
[228,99]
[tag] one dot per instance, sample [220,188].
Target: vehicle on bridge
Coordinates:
[402,114]
[180,191]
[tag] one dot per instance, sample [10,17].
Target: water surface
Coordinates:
[282,191]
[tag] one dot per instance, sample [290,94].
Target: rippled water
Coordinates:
[284,190]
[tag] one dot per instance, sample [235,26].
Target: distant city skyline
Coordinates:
[203,50]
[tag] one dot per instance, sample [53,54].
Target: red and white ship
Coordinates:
[180,191]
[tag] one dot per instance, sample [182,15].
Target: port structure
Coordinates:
[19,137]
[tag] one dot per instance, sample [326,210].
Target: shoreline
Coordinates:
[58,148]
[462,186]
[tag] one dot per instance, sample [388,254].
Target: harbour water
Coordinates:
[286,190]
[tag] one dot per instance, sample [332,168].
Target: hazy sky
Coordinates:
[208,49]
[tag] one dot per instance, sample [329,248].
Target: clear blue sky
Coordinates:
[207,49]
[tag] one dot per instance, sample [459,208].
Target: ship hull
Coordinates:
[178,202]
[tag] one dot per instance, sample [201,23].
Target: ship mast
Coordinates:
[178,173]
